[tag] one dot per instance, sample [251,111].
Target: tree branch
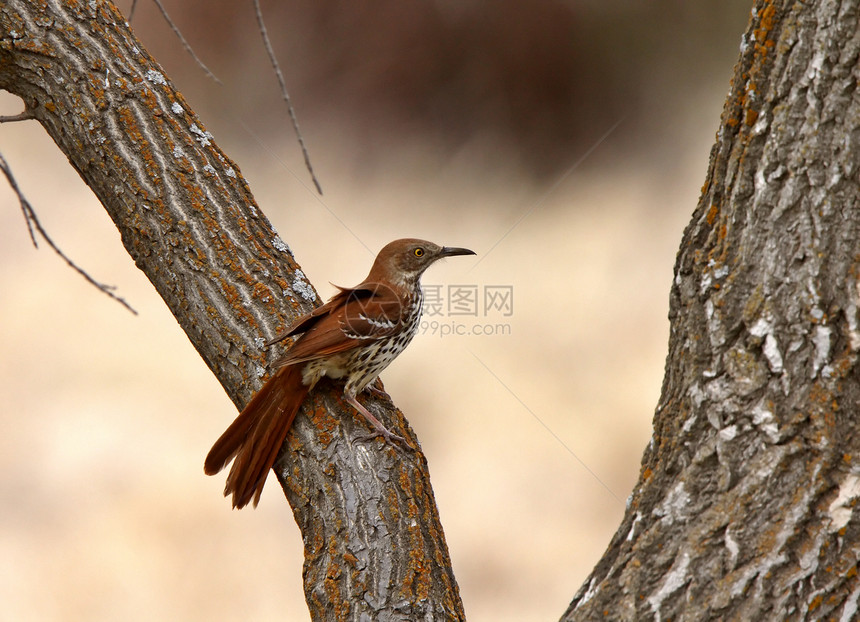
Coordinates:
[745,505]
[21,116]
[374,545]
[33,225]
[182,40]
[284,94]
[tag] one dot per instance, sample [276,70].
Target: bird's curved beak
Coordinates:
[450,251]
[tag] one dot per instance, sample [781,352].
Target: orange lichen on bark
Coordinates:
[147,98]
[262,292]
[194,252]
[231,294]
[751,116]
[815,602]
[767,19]
[350,559]
[36,46]
[323,420]
[712,213]
[133,131]
[418,577]
[391,500]
[331,583]
[741,102]
[823,407]
[71,36]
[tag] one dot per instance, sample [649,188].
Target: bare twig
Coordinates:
[26,208]
[21,116]
[284,93]
[331,212]
[182,40]
[33,221]
[131,11]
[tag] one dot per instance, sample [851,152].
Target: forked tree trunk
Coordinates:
[374,547]
[745,505]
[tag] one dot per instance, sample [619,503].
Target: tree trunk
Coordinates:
[745,505]
[374,548]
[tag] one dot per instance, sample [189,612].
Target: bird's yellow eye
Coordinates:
[419,252]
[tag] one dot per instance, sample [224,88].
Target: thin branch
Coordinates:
[325,206]
[284,94]
[131,11]
[185,43]
[33,221]
[21,116]
[26,208]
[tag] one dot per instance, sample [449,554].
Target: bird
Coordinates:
[353,337]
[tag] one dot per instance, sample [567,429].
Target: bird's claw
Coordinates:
[388,438]
[372,389]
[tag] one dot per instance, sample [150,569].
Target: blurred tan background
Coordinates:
[467,123]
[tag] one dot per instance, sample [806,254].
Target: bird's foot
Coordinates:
[378,429]
[377,390]
[387,436]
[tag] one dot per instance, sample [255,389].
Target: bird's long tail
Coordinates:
[255,438]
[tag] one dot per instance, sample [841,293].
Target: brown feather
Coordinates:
[257,435]
[351,319]
[305,322]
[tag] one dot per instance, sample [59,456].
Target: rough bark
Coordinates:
[374,547]
[745,505]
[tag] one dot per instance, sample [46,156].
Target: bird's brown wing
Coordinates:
[306,321]
[255,438]
[352,318]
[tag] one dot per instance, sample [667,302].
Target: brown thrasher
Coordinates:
[354,336]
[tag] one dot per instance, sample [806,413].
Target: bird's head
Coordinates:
[402,262]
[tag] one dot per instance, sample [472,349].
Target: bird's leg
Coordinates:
[375,388]
[381,430]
